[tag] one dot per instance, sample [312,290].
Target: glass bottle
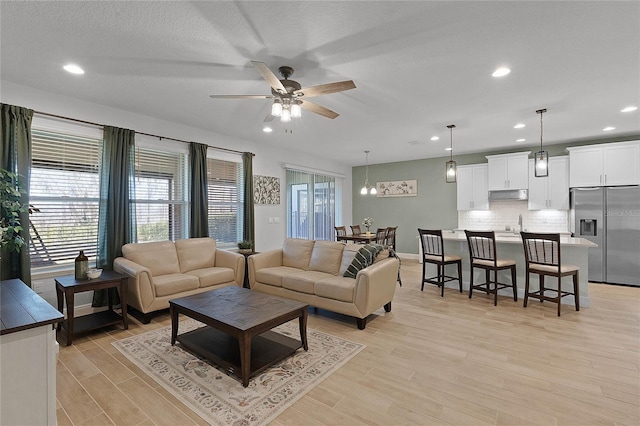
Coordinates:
[82,265]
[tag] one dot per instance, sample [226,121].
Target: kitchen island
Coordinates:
[574,251]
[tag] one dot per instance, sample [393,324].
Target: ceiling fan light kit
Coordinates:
[287,94]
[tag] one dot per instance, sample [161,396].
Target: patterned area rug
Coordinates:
[220,399]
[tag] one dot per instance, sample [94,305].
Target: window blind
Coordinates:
[64,188]
[226,201]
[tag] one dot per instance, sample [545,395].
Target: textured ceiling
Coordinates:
[418,66]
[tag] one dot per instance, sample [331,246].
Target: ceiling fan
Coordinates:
[288,94]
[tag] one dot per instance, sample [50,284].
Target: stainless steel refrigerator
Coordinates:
[610,217]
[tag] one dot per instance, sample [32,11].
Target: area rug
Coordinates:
[220,399]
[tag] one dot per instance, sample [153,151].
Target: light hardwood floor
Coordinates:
[431,360]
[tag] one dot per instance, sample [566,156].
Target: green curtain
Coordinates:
[199,217]
[116,222]
[249,222]
[15,156]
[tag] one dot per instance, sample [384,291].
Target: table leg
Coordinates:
[60,298]
[174,323]
[69,295]
[303,329]
[245,357]
[110,291]
[123,302]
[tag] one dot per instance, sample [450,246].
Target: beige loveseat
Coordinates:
[312,272]
[165,270]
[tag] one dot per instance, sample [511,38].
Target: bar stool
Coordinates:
[433,252]
[542,256]
[482,254]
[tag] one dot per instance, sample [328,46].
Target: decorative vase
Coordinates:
[368,234]
[82,266]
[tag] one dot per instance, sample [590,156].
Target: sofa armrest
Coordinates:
[235,261]
[140,292]
[376,285]
[267,259]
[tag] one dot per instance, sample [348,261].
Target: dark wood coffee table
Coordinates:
[239,336]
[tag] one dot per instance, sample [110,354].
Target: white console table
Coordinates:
[27,356]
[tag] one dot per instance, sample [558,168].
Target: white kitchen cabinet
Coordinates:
[552,191]
[473,193]
[508,171]
[608,164]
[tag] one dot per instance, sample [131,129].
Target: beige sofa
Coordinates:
[165,270]
[312,272]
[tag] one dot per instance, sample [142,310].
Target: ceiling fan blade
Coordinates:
[325,89]
[269,76]
[318,109]
[241,96]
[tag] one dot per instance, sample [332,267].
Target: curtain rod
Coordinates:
[139,133]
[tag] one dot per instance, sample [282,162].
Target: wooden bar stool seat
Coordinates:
[482,254]
[542,257]
[433,252]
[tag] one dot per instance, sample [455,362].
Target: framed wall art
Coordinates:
[266,189]
[397,188]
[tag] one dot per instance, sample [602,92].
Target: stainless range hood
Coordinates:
[509,194]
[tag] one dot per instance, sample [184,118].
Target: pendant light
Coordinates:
[367,189]
[450,167]
[541,162]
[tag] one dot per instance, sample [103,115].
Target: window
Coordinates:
[65,190]
[311,204]
[160,194]
[225,186]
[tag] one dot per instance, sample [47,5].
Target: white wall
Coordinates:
[268,159]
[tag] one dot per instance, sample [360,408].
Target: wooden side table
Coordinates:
[246,284]
[68,286]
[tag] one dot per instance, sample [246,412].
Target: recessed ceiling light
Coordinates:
[435,138]
[501,72]
[608,128]
[267,129]
[629,109]
[73,69]
[520,140]
[518,126]
[448,149]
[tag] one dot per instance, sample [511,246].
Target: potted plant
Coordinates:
[11,207]
[245,247]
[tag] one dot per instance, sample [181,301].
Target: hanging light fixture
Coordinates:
[286,107]
[367,189]
[541,162]
[450,166]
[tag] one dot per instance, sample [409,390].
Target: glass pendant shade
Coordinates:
[296,110]
[286,116]
[276,108]
[451,171]
[541,164]
[373,191]
[363,191]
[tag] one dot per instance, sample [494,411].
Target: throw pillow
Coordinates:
[363,258]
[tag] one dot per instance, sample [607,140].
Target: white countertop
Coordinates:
[511,238]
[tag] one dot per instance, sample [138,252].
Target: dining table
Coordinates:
[358,238]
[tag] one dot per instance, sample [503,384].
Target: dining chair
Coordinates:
[381,236]
[355,229]
[390,238]
[433,252]
[542,257]
[482,254]
[341,231]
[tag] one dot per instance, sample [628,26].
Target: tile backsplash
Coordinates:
[503,214]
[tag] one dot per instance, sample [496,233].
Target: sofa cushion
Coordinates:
[213,276]
[296,253]
[196,253]
[273,275]
[303,281]
[169,284]
[159,257]
[337,288]
[365,256]
[326,257]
